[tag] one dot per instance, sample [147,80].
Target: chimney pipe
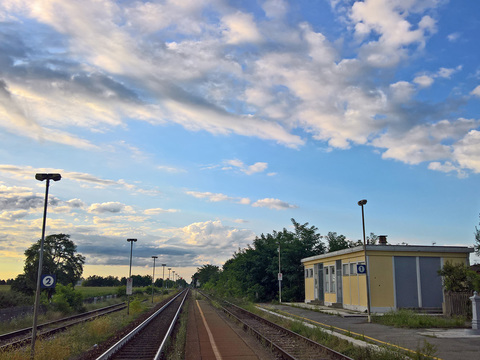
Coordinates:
[382,239]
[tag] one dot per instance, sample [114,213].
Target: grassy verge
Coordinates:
[345,347]
[410,319]
[78,339]
[4,288]
[93,291]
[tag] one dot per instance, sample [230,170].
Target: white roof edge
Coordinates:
[393,248]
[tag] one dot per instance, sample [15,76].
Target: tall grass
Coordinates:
[80,338]
[410,319]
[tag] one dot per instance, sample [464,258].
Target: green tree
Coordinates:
[59,257]
[339,242]
[459,277]
[252,272]
[207,273]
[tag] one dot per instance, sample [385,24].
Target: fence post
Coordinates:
[475,310]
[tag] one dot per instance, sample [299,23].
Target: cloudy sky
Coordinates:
[196,125]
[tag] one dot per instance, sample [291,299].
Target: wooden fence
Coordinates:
[458,304]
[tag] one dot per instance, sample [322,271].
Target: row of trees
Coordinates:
[252,272]
[138,281]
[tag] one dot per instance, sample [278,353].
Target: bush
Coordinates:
[459,278]
[122,290]
[67,300]
[13,298]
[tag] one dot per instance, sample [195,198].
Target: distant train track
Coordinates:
[287,344]
[148,339]
[22,337]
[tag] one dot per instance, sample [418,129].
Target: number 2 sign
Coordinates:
[48,281]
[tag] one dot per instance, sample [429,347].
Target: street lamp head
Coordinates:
[154,257]
[43,176]
[164,264]
[131,240]
[362,202]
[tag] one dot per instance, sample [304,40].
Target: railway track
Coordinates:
[18,338]
[147,340]
[287,344]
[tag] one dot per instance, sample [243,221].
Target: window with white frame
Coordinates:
[330,279]
[353,268]
[346,269]
[327,279]
[333,288]
[310,273]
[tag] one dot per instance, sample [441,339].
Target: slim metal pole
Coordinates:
[39,274]
[279,277]
[363,202]
[163,277]
[131,241]
[153,277]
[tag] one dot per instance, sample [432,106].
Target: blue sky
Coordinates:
[195,126]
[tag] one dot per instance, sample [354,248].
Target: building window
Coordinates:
[333,288]
[310,272]
[345,269]
[306,273]
[353,268]
[330,279]
[327,280]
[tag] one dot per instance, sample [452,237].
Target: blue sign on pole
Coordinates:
[361,269]
[48,281]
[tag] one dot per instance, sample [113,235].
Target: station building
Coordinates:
[399,276]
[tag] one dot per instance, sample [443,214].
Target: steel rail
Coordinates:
[127,338]
[27,332]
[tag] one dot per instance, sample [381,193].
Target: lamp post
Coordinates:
[173,275]
[41,177]
[163,277]
[131,241]
[153,277]
[279,276]
[168,275]
[362,203]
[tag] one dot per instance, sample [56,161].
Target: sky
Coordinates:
[195,126]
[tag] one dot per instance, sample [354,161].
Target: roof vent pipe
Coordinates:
[382,239]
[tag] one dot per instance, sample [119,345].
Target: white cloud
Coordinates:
[240,28]
[273,204]
[454,36]
[476,91]
[108,207]
[258,167]
[423,81]
[156,211]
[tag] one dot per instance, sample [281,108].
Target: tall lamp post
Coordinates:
[41,177]
[131,241]
[153,277]
[362,203]
[173,275]
[279,277]
[168,275]
[163,277]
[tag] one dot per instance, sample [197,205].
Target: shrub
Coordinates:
[13,298]
[66,299]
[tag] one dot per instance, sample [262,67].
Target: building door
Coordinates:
[406,290]
[338,265]
[431,289]
[320,294]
